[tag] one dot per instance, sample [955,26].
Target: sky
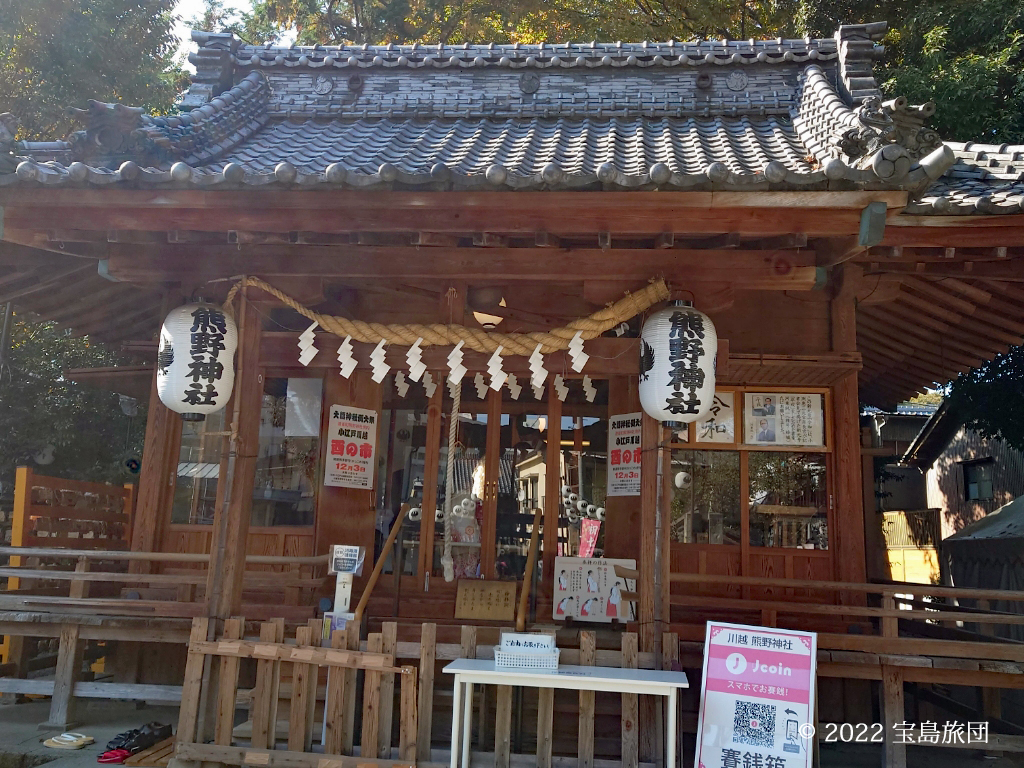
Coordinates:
[187,9]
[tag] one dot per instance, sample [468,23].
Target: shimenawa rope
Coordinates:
[477,339]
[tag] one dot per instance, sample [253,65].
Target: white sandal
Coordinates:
[69,741]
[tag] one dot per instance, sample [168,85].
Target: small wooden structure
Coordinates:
[843,251]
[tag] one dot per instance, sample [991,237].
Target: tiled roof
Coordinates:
[987,178]
[585,151]
[711,115]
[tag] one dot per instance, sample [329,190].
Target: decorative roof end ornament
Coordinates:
[889,137]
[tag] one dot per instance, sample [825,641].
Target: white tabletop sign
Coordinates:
[527,642]
[757,697]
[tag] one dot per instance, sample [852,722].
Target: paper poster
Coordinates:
[589,529]
[720,424]
[352,444]
[778,418]
[757,698]
[587,589]
[346,558]
[624,455]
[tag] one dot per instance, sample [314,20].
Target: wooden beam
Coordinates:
[1008,269]
[518,202]
[952,320]
[45,280]
[763,270]
[522,214]
[793,240]
[837,250]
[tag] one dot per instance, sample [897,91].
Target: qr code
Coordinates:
[753,724]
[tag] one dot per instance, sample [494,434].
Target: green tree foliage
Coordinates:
[58,53]
[527,21]
[967,58]
[91,435]
[964,56]
[991,398]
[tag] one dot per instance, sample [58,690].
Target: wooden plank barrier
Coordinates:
[307,658]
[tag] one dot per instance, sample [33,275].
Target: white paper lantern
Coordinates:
[415,514]
[678,346]
[195,361]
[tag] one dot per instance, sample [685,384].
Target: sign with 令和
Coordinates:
[757,697]
[351,447]
[624,455]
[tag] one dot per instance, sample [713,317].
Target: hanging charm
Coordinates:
[498,375]
[514,387]
[380,368]
[589,390]
[455,367]
[401,385]
[560,389]
[414,357]
[429,385]
[578,357]
[538,373]
[307,347]
[481,386]
[345,358]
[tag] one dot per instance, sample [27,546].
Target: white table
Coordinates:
[470,672]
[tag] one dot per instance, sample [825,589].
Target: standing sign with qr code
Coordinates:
[757,692]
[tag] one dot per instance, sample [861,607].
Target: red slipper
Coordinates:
[114,756]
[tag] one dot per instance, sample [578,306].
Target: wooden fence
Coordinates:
[307,659]
[282,709]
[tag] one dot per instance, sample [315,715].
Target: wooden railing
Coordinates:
[55,512]
[301,576]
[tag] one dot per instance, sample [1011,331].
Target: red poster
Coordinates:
[588,536]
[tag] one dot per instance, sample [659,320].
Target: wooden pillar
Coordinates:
[234,494]
[848,540]
[648,565]
[348,515]
[622,513]
[15,648]
[552,488]
[848,486]
[430,471]
[157,479]
[492,472]
[65,675]
[892,713]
